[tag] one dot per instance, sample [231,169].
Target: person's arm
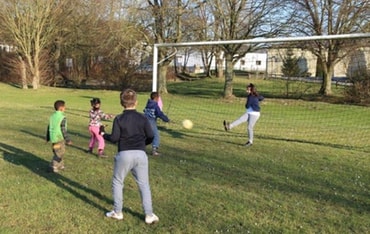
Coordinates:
[64,131]
[47,134]
[260,98]
[160,114]
[104,115]
[115,135]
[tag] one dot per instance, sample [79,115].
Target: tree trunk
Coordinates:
[36,79]
[56,56]
[219,65]
[319,68]
[36,72]
[228,88]
[162,78]
[23,72]
[326,82]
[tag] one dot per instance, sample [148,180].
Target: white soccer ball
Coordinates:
[187,124]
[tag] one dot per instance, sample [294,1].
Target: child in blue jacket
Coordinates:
[152,111]
[251,115]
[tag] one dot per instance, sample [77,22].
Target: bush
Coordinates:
[359,91]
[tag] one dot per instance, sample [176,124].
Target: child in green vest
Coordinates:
[57,134]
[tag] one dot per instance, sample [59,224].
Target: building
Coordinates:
[271,62]
[251,62]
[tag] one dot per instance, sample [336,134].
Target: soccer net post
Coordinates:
[289,111]
[249,41]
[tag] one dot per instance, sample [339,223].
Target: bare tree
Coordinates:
[167,26]
[329,17]
[98,40]
[240,20]
[31,27]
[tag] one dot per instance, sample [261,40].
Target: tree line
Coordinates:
[107,40]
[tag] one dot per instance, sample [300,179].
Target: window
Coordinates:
[258,62]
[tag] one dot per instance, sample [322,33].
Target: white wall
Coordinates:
[252,62]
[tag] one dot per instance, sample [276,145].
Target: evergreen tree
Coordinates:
[290,67]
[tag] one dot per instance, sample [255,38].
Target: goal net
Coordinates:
[288,78]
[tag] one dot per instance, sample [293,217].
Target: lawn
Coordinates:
[307,172]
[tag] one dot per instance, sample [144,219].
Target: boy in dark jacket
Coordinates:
[152,112]
[132,132]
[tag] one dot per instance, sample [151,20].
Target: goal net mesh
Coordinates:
[292,109]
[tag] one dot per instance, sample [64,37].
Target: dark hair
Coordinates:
[154,95]
[58,104]
[94,101]
[128,98]
[253,89]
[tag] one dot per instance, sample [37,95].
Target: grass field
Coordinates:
[307,172]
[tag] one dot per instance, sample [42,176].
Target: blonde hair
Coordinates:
[128,98]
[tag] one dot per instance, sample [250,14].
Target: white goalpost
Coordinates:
[250,41]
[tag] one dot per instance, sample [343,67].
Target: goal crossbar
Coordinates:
[248,41]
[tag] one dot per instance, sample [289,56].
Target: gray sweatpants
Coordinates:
[135,161]
[252,118]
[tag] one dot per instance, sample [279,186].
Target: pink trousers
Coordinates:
[96,138]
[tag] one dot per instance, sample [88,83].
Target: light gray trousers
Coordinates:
[252,118]
[135,161]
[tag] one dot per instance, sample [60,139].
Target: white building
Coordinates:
[251,62]
[271,62]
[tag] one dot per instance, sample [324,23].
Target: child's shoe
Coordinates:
[101,154]
[226,125]
[54,169]
[150,219]
[112,214]
[89,151]
[155,152]
[248,144]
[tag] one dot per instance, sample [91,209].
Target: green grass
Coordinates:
[308,171]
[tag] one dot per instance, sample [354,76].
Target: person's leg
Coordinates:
[242,119]
[141,174]
[156,139]
[92,131]
[251,122]
[123,163]
[58,153]
[153,124]
[101,142]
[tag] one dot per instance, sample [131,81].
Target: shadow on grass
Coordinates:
[215,133]
[43,138]
[171,132]
[40,167]
[272,175]
[332,145]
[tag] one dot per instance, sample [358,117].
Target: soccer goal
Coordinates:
[290,111]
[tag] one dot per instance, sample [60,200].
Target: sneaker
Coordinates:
[89,151]
[112,214]
[101,154]
[248,144]
[155,152]
[54,169]
[226,125]
[150,219]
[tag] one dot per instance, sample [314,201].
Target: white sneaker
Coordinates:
[150,219]
[112,214]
